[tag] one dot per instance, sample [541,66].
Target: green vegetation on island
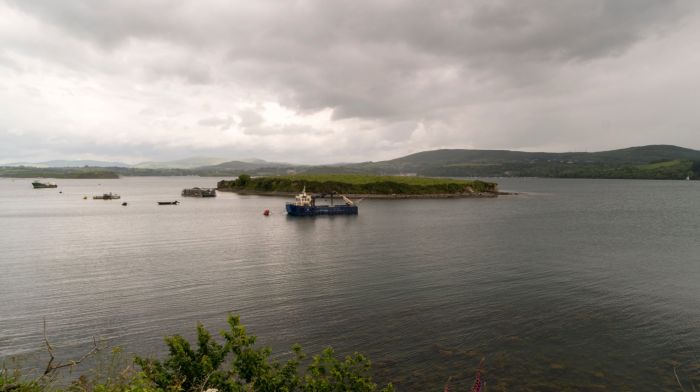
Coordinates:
[355,184]
[236,364]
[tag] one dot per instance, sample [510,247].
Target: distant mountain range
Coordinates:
[65,163]
[648,162]
[188,163]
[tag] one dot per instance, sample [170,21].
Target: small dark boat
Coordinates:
[41,185]
[124,204]
[107,196]
[266,212]
[168,203]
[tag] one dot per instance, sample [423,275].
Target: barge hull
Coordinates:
[296,210]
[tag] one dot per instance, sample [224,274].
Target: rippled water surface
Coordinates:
[571,285]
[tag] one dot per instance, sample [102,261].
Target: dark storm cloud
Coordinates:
[369,58]
[398,76]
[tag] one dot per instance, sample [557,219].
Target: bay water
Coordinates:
[568,285]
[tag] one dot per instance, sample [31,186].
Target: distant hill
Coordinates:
[208,162]
[187,163]
[67,163]
[644,154]
[645,162]
[256,167]
[242,165]
[654,161]
[195,166]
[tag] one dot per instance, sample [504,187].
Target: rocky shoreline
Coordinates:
[378,196]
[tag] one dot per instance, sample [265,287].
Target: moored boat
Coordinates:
[168,203]
[305,205]
[42,185]
[107,196]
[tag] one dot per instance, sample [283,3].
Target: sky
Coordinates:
[343,81]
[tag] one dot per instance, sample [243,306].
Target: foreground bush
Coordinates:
[236,364]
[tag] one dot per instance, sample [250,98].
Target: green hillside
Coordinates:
[646,162]
[642,154]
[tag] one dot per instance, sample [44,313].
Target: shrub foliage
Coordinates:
[236,364]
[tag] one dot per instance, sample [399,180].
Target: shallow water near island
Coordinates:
[570,285]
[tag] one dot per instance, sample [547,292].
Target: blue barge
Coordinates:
[305,205]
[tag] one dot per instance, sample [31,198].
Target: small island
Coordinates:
[360,186]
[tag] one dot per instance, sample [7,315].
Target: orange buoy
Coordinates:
[266,212]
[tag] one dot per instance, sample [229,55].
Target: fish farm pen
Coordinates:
[199,192]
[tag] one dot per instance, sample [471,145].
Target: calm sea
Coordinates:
[578,284]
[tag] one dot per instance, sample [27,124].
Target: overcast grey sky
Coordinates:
[330,81]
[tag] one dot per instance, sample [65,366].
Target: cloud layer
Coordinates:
[320,81]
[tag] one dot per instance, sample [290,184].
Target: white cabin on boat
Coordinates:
[303,199]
